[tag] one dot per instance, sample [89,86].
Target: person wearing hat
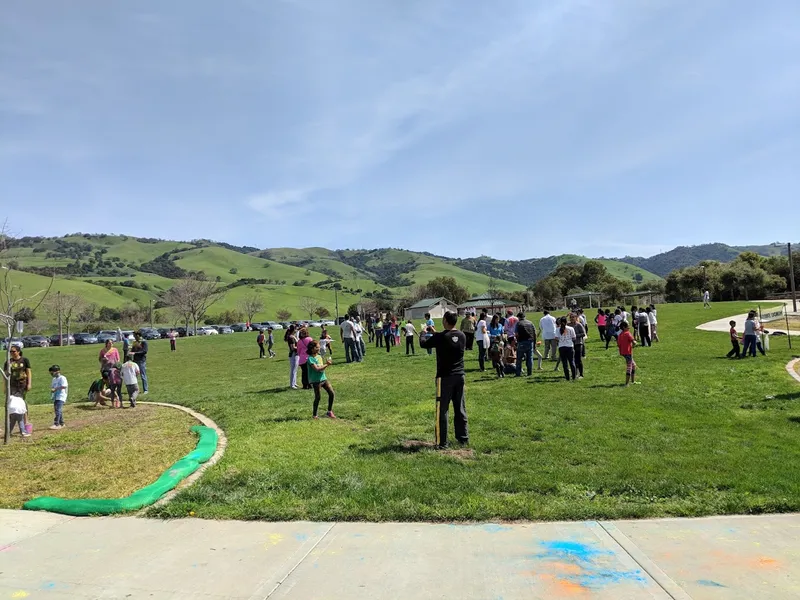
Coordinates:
[58,390]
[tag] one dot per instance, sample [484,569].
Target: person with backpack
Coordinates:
[260,341]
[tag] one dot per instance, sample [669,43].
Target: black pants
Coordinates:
[580,352]
[304,376]
[261,352]
[481,355]
[410,344]
[470,340]
[735,350]
[498,367]
[389,341]
[450,389]
[172,345]
[610,333]
[601,329]
[567,355]
[331,395]
[644,335]
[379,339]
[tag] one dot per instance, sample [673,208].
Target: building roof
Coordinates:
[486,300]
[428,302]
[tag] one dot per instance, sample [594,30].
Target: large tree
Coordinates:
[447,287]
[192,297]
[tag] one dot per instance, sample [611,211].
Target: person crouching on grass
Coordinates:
[317,378]
[625,342]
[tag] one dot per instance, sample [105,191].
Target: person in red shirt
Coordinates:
[625,342]
[735,350]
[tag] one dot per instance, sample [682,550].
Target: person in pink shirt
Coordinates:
[510,326]
[302,355]
[109,356]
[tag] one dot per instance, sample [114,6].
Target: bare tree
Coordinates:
[251,305]
[309,305]
[192,297]
[283,315]
[12,298]
[65,307]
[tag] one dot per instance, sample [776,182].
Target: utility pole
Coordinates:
[151,313]
[336,296]
[60,328]
[791,279]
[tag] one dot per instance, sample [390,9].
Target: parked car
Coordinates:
[85,338]
[127,333]
[274,324]
[284,324]
[315,324]
[149,333]
[13,342]
[36,341]
[57,340]
[224,329]
[183,332]
[163,332]
[328,323]
[207,330]
[239,327]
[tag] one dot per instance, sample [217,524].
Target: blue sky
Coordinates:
[516,128]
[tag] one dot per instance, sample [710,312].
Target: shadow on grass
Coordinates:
[794,420]
[607,385]
[276,390]
[285,419]
[792,396]
[404,447]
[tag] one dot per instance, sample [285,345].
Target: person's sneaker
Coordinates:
[26,434]
[636,382]
[54,427]
[315,417]
[330,414]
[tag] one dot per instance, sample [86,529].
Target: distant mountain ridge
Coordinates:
[687,256]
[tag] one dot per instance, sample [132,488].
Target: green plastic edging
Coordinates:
[206,446]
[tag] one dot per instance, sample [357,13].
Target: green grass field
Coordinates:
[701,435]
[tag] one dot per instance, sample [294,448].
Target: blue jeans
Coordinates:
[58,407]
[524,350]
[143,371]
[749,344]
[351,350]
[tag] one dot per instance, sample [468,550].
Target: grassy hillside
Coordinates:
[30,283]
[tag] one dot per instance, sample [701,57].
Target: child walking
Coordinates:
[318,379]
[270,343]
[496,356]
[260,342]
[625,342]
[735,350]
[58,394]
[130,377]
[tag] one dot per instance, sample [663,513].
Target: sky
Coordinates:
[515,128]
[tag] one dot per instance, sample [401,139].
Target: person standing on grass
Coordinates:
[626,343]
[450,345]
[735,349]
[600,321]
[18,373]
[388,336]
[260,341]
[482,337]
[468,329]
[378,333]
[614,323]
[565,337]
[325,345]
[109,356]
[750,335]
[525,345]
[496,355]
[644,328]
[302,356]
[706,299]
[358,331]
[58,394]
[496,328]
[651,319]
[291,340]
[410,332]
[347,336]
[130,374]
[547,325]
[139,352]
[270,342]
[580,342]
[172,336]
[510,326]
[316,374]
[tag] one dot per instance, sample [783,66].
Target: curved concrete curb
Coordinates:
[222,443]
[792,371]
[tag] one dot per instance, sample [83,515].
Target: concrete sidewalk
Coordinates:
[50,556]
[772,326]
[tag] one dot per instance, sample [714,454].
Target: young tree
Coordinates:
[309,305]
[193,296]
[283,315]
[251,305]
[65,307]
[12,299]
[322,312]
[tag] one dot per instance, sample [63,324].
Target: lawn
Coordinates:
[701,434]
[101,453]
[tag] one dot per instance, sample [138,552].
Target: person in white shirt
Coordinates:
[706,299]
[651,317]
[58,390]
[358,333]
[130,377]
[348,339]
[18,415]
[482,338]
[547,324]
[565,338]
[410,332]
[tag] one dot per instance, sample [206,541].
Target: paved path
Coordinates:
[772,326]
[52,556]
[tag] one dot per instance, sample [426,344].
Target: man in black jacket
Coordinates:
[449,345]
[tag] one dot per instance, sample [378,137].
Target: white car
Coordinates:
[207,330]
[315,324]
[328,323]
